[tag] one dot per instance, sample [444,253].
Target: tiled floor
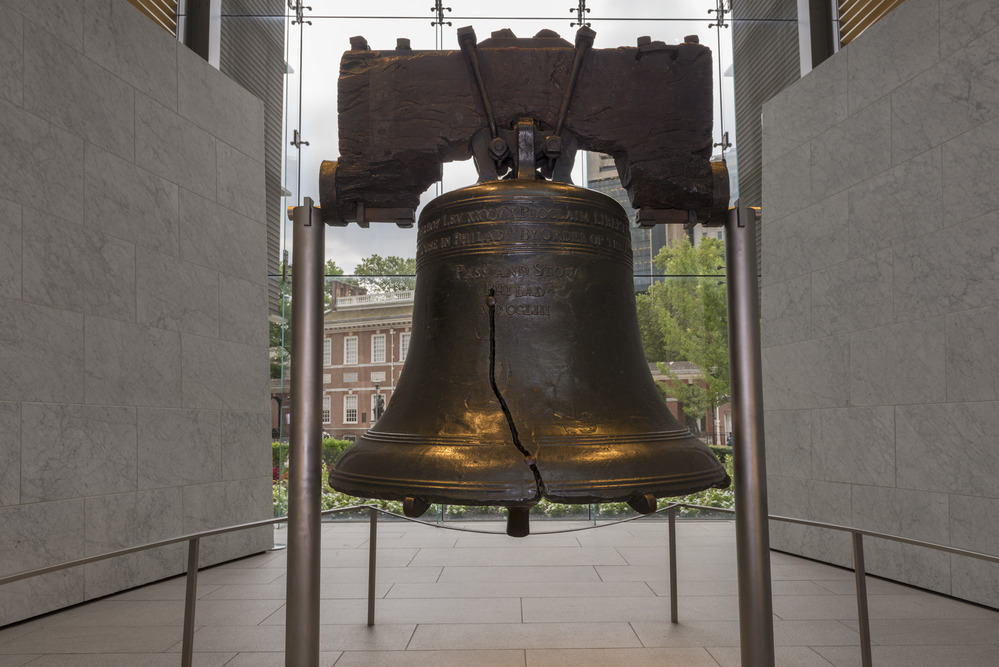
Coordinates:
[446,598]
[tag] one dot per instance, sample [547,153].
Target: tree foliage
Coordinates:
[386,274]
[685,319]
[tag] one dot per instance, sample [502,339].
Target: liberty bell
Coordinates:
[525,378]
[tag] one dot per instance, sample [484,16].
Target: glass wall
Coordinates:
[370,271]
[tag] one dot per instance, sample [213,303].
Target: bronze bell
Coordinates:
[525,376]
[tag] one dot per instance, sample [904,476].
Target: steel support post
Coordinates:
[752,532]
[674,614]
[190,602]
[305,483]
[864,619]
[372,557]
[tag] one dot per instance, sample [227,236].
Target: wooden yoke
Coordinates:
[403,113]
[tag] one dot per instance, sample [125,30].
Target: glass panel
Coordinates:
[367,269]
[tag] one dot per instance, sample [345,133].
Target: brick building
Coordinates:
[365,341]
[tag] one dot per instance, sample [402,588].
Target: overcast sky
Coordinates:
[314,54]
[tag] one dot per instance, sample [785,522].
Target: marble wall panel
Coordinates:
[66,265]
[40,534]
[221,375]
[72,451]
[792,118]
[37,535]
[810,499]
[810,239]
[246,451]
[209,506]
[909,564]
[243,311]
[851,296]
[77,94]
[41,353]
[897,205]
[131,364]
[60,18]
[964,21]
[122,520]
[971,355]
[965,193]
[809,374]
[219,105]
[975,580]
[902,363]
[899,47]
[208,233]
[953,97]
[38,595]
[129,203]
[853,151]
[788,438]
[948,448]
[854,445]
[179,447]
[947,271]
[177,295]
[10,453]
[126,43]
[173,147]
[920,515]
[973,524]
[42,165]
[10,250]
[787,311]
[240,182]
[787,183]
[11,56]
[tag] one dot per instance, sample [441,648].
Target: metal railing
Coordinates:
[194,541]
[383,298]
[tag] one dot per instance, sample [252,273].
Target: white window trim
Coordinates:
[327,406]
[375,359]
[346,359]
[327,352]
[347,399]
[403,345]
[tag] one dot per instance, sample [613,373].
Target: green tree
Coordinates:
[386,274]
[685,319]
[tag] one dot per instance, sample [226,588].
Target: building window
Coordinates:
[377,406]
[403,345]
[327,352]
[326,409]
[378,349]
[350,409]
[350,350]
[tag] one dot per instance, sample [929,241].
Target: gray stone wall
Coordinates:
[133,334]
[880,296]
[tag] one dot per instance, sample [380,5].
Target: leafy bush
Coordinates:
[278,450]
[332,449]
[723,453]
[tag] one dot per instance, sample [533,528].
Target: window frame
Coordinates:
[327,409]
[378,359]
[347,340]
[327,352]
[346,410]
[404,339]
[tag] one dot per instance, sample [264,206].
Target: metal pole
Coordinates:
[190,602]
[673,602]
[372,555]
[305,484]
[865,620]
[752,534]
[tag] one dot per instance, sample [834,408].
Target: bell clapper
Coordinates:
[518,522]
[643,504]
[414,508]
